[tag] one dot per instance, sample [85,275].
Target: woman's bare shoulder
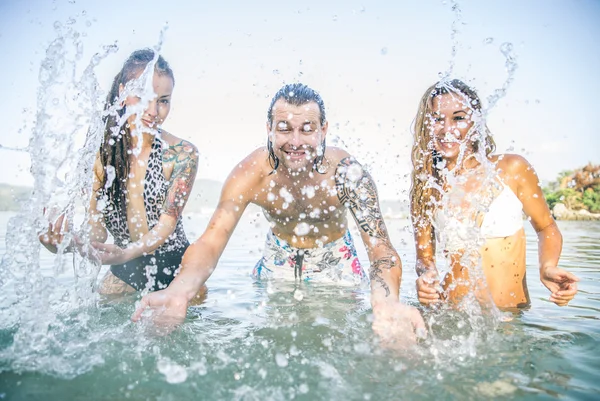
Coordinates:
[177,144]
[511,164]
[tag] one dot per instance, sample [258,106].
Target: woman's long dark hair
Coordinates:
[117,140]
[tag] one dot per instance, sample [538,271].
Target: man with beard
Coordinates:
[305,190]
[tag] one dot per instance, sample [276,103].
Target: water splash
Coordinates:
[68,131]
[455,30]
[457,213]
[69,113]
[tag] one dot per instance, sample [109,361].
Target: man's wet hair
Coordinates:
[297,95]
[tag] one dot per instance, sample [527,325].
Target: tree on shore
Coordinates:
[578,189]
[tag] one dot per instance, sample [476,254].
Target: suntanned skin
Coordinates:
[296,193]
[180,163]
[503,259]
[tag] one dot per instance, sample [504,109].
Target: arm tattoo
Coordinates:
[356,190]
[386,262]
[184,156]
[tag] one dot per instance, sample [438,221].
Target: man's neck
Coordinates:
[296,176]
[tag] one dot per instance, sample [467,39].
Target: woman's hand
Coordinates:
[428,285]
[111,254]
[52,238]
[561,283]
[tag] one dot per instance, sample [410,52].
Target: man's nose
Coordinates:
[296,138]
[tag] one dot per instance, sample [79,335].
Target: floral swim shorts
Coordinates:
[336,261]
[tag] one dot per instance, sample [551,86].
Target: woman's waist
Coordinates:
[507,252]
[176,240]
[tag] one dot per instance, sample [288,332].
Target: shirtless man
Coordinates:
[305,191]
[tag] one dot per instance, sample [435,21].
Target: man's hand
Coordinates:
[397,324]
[561,283]
[165,309]
[427,287]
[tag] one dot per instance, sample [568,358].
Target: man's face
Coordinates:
[296,134]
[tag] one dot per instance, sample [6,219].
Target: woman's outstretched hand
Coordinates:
[55,235]
[561,283]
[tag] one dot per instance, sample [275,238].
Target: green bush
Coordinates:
[570,197]
[591,199]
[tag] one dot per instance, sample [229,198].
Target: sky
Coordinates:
[370,60]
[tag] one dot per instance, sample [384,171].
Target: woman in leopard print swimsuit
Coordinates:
[142,179]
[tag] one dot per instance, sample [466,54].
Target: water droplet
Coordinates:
[384,51]
[506,48]
[173,372]
[281,360]
[302,229]
[488,41]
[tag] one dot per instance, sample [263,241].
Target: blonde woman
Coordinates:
[470,201]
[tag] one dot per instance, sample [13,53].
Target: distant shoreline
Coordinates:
[562,213]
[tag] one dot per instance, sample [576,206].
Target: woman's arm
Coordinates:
[56,231]
[428,280]
[561,283]
[185,165]
[98,231]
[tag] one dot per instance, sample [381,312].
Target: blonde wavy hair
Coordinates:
[423,195]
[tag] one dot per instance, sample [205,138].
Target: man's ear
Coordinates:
[324,129]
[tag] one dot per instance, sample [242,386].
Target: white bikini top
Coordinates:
[503,218]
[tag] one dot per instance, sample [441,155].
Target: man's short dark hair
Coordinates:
[297,94]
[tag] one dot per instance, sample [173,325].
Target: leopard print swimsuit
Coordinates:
[154,271]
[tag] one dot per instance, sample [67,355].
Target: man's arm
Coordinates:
[356,190]
[393,321]
[202,256]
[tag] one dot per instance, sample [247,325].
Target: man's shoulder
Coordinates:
[257,160]
[338,155]
[254,166]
